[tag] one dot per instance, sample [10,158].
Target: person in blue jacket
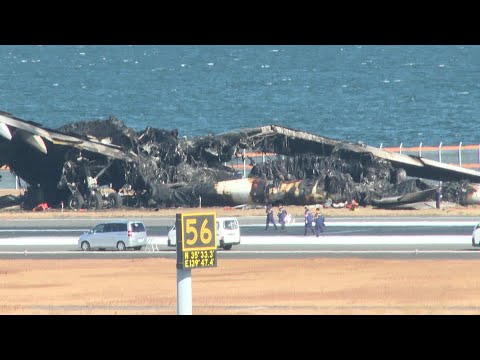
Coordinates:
[270,217]
[309,223]
[306,211]
[438,197]
[319,223]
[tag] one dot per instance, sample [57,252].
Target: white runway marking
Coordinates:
[234,253]
[278,240]
[357,240]
[43,230]
[445,223]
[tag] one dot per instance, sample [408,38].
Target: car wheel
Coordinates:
[137,248]
[121,246]
[85,246]
[227,246]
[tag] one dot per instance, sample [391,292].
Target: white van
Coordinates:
[120,235]
[228,233]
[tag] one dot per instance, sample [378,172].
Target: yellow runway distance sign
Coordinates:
[197,247]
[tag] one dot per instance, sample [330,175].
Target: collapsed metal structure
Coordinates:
[90,163]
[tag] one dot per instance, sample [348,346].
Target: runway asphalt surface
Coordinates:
[344,237]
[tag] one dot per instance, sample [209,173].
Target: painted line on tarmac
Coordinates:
[41,240]
[357,240]
[277,240]
[412,251]
[80,253]
[241,252]
[382,223]
[42,230]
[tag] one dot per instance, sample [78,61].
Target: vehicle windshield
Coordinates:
[98,228]
[230,224]
[138,227]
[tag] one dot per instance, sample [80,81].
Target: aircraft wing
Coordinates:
[35,135]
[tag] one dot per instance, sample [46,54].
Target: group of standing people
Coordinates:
[313,222]
[282,217]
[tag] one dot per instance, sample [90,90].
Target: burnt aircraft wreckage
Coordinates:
[103,163]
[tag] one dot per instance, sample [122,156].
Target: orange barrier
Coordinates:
[433,148]
[255,154]
[470,166]
[240,166]
[417,149]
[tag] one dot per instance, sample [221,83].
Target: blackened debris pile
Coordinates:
[164,170]
[160,168]
[342,176]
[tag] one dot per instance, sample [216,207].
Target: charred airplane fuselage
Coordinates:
[163,169]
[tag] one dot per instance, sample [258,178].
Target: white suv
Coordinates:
[228,233]
[120,235]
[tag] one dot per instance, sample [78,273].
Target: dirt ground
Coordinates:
[241,287]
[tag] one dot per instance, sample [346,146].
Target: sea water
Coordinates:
[375,94]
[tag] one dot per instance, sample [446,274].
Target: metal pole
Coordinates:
[200,201]
[244,170]
[420,150]
[401,144]
[460,154]
[440,152]
[16,182]
[381,145]
[184,291]
[184,276]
